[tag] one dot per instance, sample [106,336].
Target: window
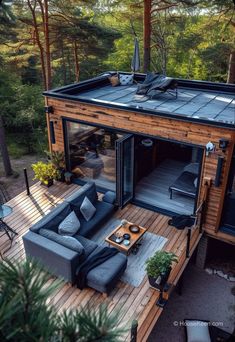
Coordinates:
[92,153]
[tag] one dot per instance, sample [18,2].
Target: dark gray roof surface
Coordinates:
[209,105]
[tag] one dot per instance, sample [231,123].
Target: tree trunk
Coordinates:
[147,34]
[77,69]
[231,68]
[47,45]
[4,151]
[38,41]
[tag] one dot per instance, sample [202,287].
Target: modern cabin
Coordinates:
[168,154]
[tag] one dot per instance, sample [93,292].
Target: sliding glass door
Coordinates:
[91,154]
[228,220]
[125,169]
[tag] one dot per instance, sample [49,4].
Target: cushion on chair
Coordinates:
[126,79]
[197,331]
[87,209]
[66,241]
[70,225]
[185,184]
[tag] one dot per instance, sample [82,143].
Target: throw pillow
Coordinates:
[197,331]
[70,225]
[87,209]
[114,80]
[126,79]
[66,241]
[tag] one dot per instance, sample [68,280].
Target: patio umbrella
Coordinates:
[135,63]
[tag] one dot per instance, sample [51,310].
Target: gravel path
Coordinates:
[15,185]
[203,297]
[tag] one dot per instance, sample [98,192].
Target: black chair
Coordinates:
[155,84]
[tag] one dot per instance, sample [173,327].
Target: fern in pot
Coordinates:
[158,268]
[57,159]
[45,173]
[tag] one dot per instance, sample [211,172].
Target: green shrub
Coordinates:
[159,263]
[44,172]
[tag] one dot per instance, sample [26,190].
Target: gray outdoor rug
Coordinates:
[150,243]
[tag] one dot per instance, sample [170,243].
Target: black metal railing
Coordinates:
[26,181]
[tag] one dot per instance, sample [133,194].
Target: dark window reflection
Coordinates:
[92,153]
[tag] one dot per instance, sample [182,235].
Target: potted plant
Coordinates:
[57,159]
[45,172]
[158,268]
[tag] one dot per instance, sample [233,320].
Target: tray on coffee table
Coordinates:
[121,230]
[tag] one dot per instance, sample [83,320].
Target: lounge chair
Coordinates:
[185,184]
[155,84]
[204,331]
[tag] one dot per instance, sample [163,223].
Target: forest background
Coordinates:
[50,43]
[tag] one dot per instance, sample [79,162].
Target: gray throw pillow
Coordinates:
[87,209]
[70,225]
[66,241]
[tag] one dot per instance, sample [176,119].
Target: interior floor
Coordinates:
[154,189]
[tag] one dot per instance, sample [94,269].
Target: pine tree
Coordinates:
[25,314]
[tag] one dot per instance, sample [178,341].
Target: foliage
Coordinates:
[44,172]
[57,159]
[25,314]
[159,263]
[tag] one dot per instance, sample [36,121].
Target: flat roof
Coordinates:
[197,101]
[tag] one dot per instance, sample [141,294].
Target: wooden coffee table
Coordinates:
[120,230]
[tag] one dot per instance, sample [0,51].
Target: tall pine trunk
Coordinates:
[76,62]
[231,68]
[4,150]
[147,34]
[47,45]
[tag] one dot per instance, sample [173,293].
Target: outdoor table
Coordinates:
[6,210]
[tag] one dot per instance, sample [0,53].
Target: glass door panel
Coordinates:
[228,220]
[125,169]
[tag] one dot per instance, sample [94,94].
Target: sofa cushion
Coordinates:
[109,197]
[104,277]
[103,209]
[52,220]
[87,209]
[66,241]
[70,225]
[75,200]
[89,246]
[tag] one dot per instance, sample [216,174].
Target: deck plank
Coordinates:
[133,303]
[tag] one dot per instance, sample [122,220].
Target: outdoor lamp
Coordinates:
[223,144]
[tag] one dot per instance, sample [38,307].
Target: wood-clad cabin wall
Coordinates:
[172,129]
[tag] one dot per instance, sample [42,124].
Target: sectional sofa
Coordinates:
[62,257]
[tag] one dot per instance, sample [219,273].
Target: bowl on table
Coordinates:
[134,228]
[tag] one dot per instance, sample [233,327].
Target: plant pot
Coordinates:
[50,183]
[159,282]
[61,177]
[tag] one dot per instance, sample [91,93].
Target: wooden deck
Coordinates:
[133,302]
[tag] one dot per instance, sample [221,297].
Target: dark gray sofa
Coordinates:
[64,261]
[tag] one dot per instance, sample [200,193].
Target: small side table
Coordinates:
[5,210]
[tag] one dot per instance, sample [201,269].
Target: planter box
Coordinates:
[50,183]
[159,282]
